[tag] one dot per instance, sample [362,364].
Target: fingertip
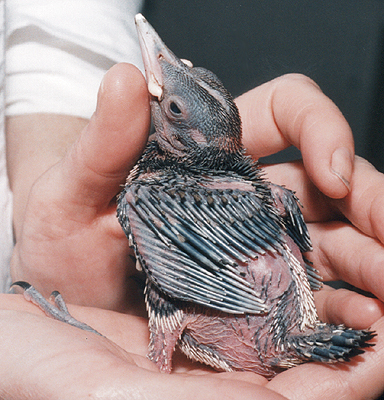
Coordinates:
[120,78]
[329,157]
[332,175]
[342,166]
[347,307]
[123,99]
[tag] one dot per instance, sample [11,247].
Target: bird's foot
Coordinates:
[58,311]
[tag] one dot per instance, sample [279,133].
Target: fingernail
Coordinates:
[342,165]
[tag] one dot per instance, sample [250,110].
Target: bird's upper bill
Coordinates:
[153,49]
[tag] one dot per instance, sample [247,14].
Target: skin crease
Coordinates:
[68,239]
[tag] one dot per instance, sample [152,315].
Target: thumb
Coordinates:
[99,161]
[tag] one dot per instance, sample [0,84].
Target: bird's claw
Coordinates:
[58,311]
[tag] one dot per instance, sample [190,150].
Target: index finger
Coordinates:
[292,110]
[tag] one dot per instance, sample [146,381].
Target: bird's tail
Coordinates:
[332,343]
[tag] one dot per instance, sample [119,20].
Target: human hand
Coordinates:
[69,238]
[292,110]
[46,359]
[70,219]
[338,306]
[343,199]
[49,359]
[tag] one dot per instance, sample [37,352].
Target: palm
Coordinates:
[54,245]
[99,366]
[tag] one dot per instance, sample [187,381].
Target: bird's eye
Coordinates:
[174,108]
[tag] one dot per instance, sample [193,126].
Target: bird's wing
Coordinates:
[191,241]
[293,218]
[296,227]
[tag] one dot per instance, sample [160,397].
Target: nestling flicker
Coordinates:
[220,246]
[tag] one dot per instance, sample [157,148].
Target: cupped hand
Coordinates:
[49,360]
[70,239]
[46,359]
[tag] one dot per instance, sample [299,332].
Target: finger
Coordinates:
[340,251]
[293,110]
[293,176]
[109,146]
[364,204]
[346,307]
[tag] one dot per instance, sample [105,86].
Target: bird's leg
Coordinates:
[59,311]
[165,325]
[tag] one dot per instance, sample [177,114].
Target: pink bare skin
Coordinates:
[68,239]
[234,335]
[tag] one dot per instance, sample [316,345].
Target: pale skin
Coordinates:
[68,239]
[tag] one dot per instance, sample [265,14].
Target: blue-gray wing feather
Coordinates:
[190,241]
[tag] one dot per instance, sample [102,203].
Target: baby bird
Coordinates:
[220,246]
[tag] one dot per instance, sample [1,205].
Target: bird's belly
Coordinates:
[231,342]
[244,342]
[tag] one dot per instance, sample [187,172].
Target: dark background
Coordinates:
[339,44]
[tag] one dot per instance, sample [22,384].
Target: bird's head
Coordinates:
[195,117]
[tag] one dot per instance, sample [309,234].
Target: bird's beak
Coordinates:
[154,50]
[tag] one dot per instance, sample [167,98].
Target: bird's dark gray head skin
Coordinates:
[208,137]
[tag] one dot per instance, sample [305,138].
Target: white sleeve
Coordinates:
[6,233]
[57,52]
